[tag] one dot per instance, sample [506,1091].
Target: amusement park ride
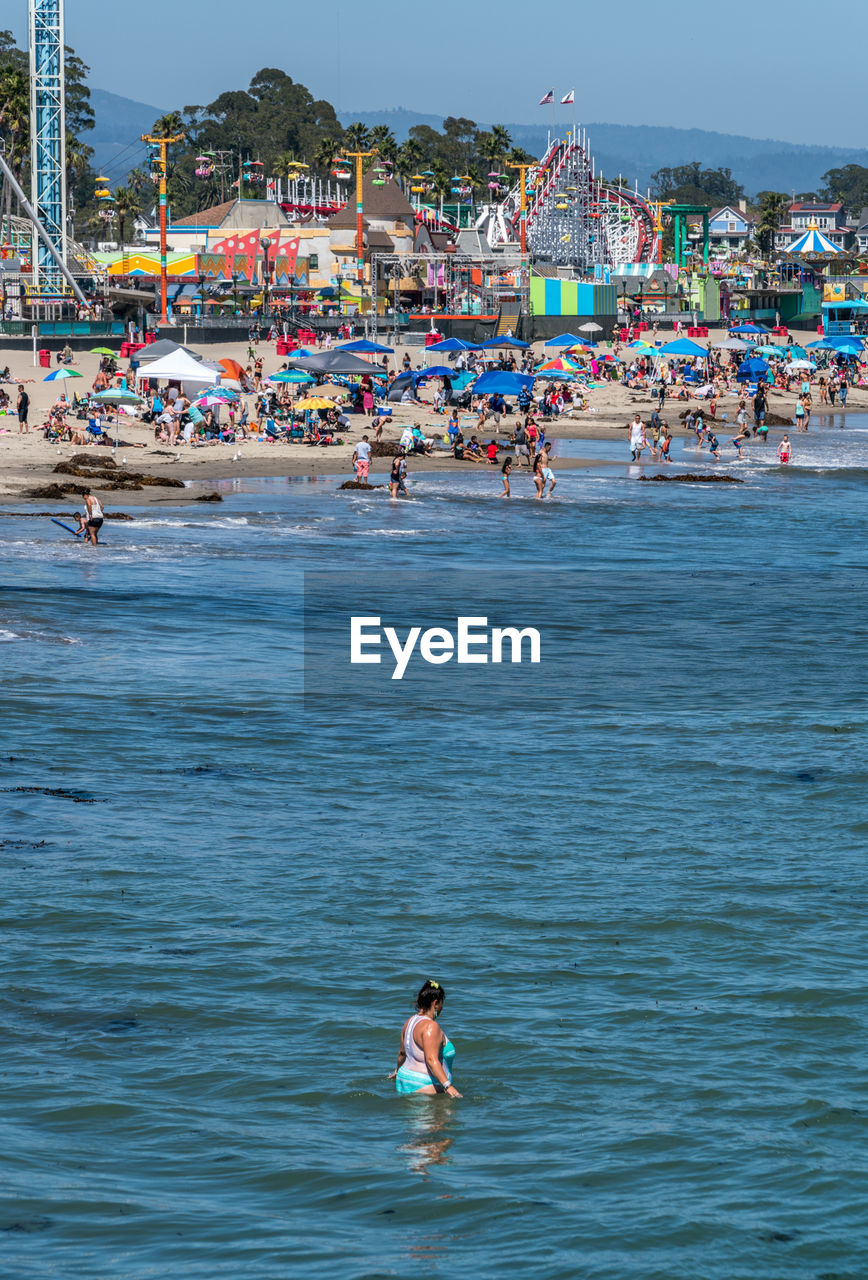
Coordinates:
[573,218]
[557,210]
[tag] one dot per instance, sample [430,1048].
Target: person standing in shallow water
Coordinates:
[426,1054]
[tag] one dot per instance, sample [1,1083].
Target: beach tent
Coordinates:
[404,380]
[165,347]
[501,382]
[564,340]
[682,347]
[362,346]
[451,344]
[750,369]
[336,362]
[178,367]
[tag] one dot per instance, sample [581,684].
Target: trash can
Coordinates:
[44,358]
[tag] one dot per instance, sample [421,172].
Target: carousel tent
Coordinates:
[812,244]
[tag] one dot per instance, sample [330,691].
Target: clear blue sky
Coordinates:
[631,61]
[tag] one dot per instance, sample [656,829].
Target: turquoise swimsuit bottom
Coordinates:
[407,1081]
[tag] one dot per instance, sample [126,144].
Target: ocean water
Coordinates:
[227,863]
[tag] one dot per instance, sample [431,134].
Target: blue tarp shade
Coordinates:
[452,344]
[682,347]
[501,382]
[362,346]
[749,369]
[564,340]
[500,342]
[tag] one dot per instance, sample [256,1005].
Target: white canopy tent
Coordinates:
[177,367]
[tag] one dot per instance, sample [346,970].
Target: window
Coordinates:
[731,225]
[313,262]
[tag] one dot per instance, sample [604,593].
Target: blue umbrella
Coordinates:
[438,371]
[502,342]
[564,340]
[290,375]
[682,347]
[749,327]
[500,382]
[362,346]
[452,344]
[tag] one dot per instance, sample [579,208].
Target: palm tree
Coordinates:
[409,158]
[383,139]
[501,141]
[14,115]
[325,153]
[126,206]
[356,137]
[168,124]
[518,155]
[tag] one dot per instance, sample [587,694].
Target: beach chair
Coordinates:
[273,431]
[96,431]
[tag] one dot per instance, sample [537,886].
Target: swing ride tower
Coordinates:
[47,142]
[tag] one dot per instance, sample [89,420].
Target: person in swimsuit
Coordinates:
[545,472]
[94,516]
[396,477]
[426,1054]
[504,471]
[785,450]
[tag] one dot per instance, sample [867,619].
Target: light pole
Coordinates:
[360,157]
[163,144]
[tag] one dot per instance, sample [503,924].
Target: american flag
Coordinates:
[549,97]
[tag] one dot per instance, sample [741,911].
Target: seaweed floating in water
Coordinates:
[77,797]
[360,484]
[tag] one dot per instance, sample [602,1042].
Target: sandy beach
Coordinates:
[29,461]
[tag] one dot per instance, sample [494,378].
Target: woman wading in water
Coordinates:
[425,1056]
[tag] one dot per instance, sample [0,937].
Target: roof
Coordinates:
[736,213]
[386,203]
[379,240]
[235,214]
[815,206]
[205,217]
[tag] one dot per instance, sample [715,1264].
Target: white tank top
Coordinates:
[95,508]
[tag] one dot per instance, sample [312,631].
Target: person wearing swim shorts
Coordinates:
[362,459]
[785,451]
[94,520]
[426,1054]
[545,472]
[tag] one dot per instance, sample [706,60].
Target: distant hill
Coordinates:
[636,151]
[119,124]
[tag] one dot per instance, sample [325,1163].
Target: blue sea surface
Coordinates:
[638,870]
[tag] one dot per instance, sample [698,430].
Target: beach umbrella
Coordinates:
[290,375]
[437,371]
[451,344]
[558,365]
[563,340]
[801,364]
[501,382]
[590,327]
[102,351]
[60,374]
[769,349]
[731,344]
[121,396]
[363,346]
[209,399]
[315,402]
[682,347]
[822,344]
